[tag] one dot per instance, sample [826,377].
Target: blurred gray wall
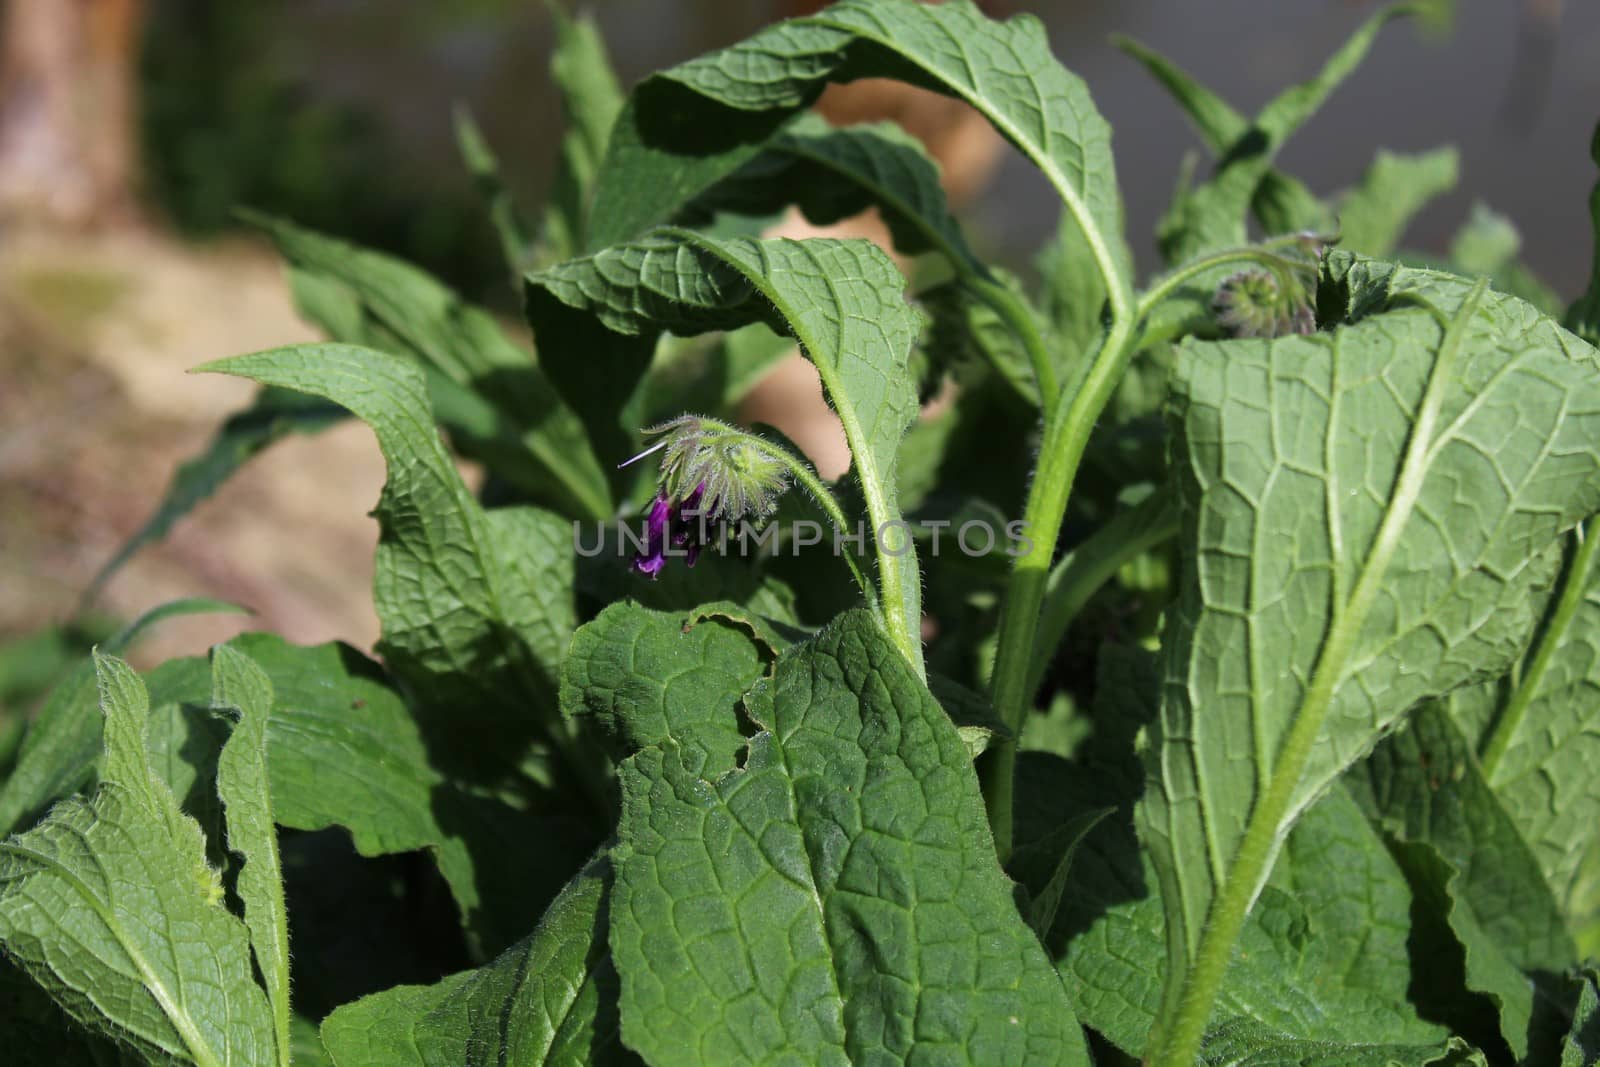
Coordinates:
[1518,97]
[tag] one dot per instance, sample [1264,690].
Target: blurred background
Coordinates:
[130,130]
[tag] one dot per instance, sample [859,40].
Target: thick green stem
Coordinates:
[1066,435]
[1574,588]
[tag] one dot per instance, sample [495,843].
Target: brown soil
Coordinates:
[96,411]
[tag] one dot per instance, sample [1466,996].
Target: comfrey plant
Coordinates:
[1273,742]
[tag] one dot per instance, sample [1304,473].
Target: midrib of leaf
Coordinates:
[1179,1044]
[179,1018]
[812,884]
[901,593]
[1573,591]
[1119,287]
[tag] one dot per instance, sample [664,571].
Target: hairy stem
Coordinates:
[818,490]
[1066,435]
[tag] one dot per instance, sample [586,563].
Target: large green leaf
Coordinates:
[836,899]
[58,753]
[1413,471]
[547,1000]
[738,96]
[477,609]
[1424,785]
[110,905]
[497,402]
[476,606]
[649,676]
[843,301]
[240,688]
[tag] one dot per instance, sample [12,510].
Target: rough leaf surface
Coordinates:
[110,905]
[1369,503]
[836,899]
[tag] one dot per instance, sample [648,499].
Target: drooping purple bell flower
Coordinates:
[679,524]
[653,556]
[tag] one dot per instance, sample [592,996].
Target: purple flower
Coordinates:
[680,524]
[653,557]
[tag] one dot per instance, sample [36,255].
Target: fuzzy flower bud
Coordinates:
[1254,303]
[711,475]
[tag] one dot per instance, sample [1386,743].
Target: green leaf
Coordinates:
[307,1044]
[837,898]
[1245,1043]
[345,751]
[1074,293]
[843,301]
[1281,203]
[477,609]
[1463,975]
[110,905]
[1582,1045]
[517,241]
[1488,243]
[591,100]
[1373,216]
[1052,853]
[741,94]
[1424,786]
[497,403]
[475,605]
[1213,215]
[1583,318]
[273,415]
[550,999]
[1538,745]
[1413,471]
[1323,954]
[832,174]
[240,688]
[59,750]
[966,336]
[650,676]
